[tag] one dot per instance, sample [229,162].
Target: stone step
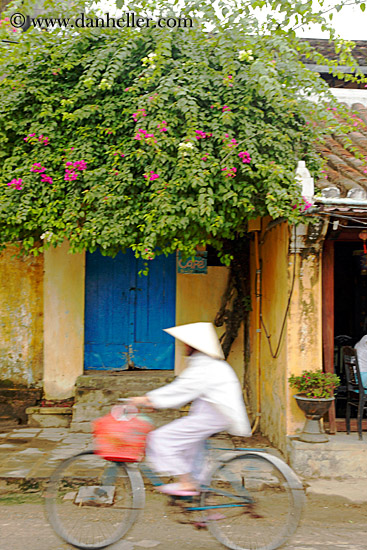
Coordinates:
[96,393]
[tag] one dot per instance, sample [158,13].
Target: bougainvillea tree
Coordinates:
[157,139]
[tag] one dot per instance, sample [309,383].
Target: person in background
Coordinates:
[217,405]
[361,348]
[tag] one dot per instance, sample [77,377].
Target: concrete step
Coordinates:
[49,417]
[342,457]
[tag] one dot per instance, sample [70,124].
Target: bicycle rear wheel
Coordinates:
[91,502]
[255,502]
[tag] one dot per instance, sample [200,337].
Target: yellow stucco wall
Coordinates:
[21,318]
[198,298]
[304,327]
[63,321]
[301,345]
[273,247]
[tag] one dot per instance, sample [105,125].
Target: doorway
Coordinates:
[125,312]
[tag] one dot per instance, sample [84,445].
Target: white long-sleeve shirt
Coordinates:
[212,380]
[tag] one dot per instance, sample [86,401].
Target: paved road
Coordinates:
[328,524]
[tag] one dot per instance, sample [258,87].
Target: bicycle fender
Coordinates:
[137,484]
[292,478]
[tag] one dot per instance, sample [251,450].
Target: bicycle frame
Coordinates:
[241,494]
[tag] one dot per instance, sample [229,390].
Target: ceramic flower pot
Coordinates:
[314,410]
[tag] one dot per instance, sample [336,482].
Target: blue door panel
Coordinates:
[154,356]
[105,357]
[125,313]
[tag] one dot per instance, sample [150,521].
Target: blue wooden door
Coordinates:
[125,313]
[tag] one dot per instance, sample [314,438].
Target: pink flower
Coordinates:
[226,108]
[212,106]
[80,165]
[126,89]
[38,168]
[152,176]
[46,179]
[230,172]
[70,175]
[17,183]
[245,156]
[122,155]
[201,134]
[204,158]
[138,113]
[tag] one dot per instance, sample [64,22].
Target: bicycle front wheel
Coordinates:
[253,502]
[91,502]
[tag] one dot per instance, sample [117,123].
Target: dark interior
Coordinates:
[350,305]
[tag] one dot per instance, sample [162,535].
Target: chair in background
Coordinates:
[356,393]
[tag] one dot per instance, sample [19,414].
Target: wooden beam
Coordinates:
[341,426]
[328,317]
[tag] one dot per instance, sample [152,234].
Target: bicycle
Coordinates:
[250,500]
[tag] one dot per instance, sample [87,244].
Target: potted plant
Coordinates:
[314,398]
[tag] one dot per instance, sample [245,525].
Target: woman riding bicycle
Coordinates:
[217,405]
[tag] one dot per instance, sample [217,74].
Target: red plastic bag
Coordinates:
[121,435]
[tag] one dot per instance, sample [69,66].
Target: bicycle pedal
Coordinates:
[179,498]
[200,525]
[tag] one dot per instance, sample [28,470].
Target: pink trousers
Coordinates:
[177,448]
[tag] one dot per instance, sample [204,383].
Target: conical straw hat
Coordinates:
[200,336]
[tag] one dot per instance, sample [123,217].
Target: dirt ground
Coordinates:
[328,523]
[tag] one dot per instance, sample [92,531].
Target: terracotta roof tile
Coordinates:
[344,170]
[326,48]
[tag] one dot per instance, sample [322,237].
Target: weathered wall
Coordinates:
[301,344]
[21,318]
[198,299]
[63,321]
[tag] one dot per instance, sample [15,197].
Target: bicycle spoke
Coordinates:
[263,523]
[90,501]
